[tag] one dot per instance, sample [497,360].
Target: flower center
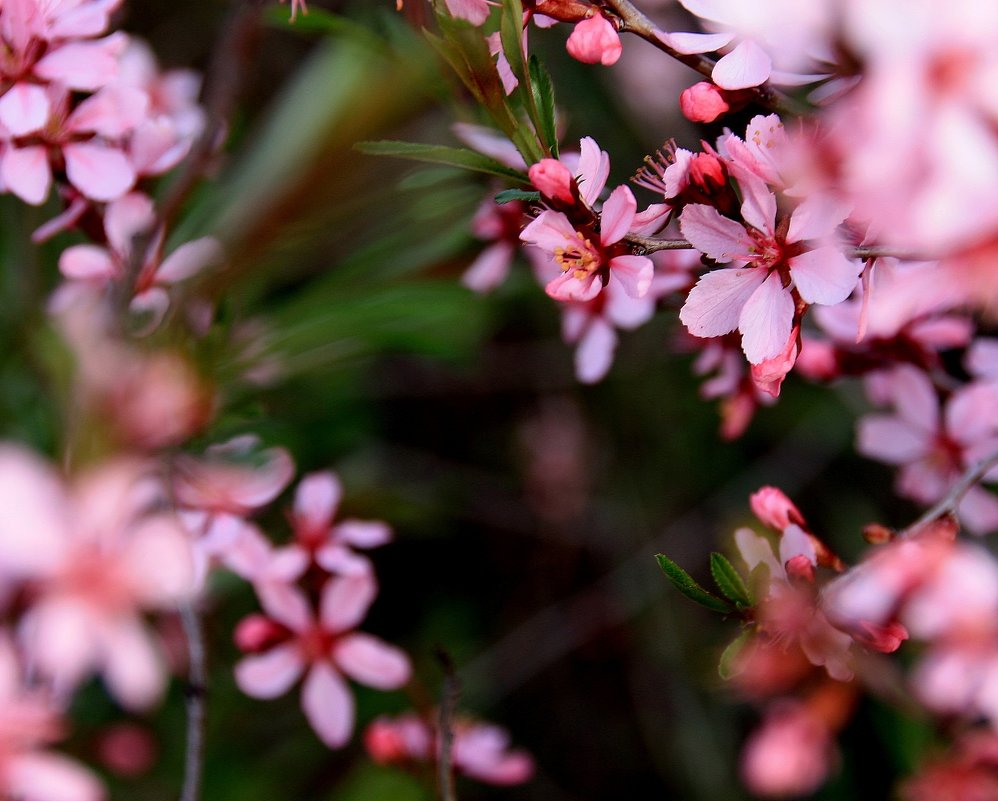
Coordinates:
[582,259]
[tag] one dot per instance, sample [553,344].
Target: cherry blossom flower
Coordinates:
[758,300]
[29,723]
[934,447]
[97,555]
[479,750]
[324,648]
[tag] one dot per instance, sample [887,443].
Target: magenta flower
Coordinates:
[324,648]
[758,300]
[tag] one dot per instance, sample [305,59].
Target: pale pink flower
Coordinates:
[758,300]
[500,225]
[29,723]
[587,266]
[479,750]
[323,648]
[97,555]
[474,11]
[316,500]
[934,447]
[789,755]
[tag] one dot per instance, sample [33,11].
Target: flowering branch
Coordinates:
[195,693]
[633,21]
[949,503]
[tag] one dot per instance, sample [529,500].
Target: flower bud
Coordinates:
[553,180]
[595,41]
[774,509]
[703,102]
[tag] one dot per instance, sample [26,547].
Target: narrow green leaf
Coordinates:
[543,89]
[726,668]
[511,36]
[509,195]
[728,581]
[439,154]
[684,582]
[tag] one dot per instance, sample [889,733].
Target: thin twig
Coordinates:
[637,23]
[445,728]
[650,244]
[949,503]
[197,685]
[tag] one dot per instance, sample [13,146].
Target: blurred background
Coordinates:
[527,508]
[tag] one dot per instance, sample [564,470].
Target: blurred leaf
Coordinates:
[509,195]
[728,581]
[440,154]
[318,20]
[543,89]
[376,783]
[685,583]
[726,664]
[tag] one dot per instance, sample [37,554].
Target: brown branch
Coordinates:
[445,728]
[949,503]
[633,21]
[651,244]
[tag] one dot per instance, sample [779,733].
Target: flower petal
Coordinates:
[634,273]
[824,275]
[328,705]
[745,66]
[271,674]
[618,214]
[766,320]
[345,601]
[714,305]
[372,662]
[719,237]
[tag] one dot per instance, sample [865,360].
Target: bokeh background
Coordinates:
[527,508]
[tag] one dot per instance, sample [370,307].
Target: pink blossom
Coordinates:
[758,300]
[932,447]
[790,755]
[775,509]
[480,750]
[316,500]
[323,648]
[98,555]
[595,41]
[703,102]
[29,723]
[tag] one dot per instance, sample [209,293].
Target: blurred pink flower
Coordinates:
[323,649]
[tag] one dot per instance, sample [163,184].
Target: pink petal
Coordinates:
[44,776]
[98,171]
[189,259]
[979,511]
[316,499]
[715,304]
[915,398]
[745,66]
[328,705]
[766,320]
[490,269]
[85,66]
[650,220]
[634,274]
[87,263]
[567,287]
[550,230]
[35,514]
[816,217]
[25,171]
[286,604]
[474,11]
[24,109]
[126,217]
[972,413]
[594,354]
[113,112]
[363,533]
[594,169]
[718,237]
[372,662]
[890,440]
[345,601]
[160,563]
[758,204]
[689,43]
[271,674]
[491,143]
[617,216]
[337,558]
[824,275]
[152,306]
[133,669]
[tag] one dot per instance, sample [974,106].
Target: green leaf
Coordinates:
[511,35]
[728,581]
[439,154]
[726,664]
[684,582]
[509,195]
[543,89]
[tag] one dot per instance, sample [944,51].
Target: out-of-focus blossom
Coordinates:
[324,648]
[97,554]
[479,750]
[127,749]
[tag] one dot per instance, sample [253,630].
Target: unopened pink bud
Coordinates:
[384,743]
[800,567]
[553,180]
[703,102]
[884,638]
[774,509]
[256,633]
[595,41]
